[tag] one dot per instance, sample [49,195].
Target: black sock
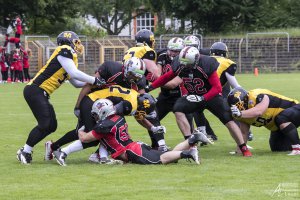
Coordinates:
[67,138]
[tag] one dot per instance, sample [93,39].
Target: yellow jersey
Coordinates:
[140,52]
[117,91]
[277,104]
[52,75]
[226,65]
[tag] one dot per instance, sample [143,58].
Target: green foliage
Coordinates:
[220,176]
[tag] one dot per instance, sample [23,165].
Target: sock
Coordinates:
[27,148]
[103,152]
[186,137]
[243,147]
[161,142]
[73,147]
[296,147]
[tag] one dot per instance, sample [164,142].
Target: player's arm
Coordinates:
[76,83]
[216,87]
[145,123]
[84,91]
[258,110]
[152,68]
[232,80]
[69,65]
[173,83]
[162,80]
[86,137]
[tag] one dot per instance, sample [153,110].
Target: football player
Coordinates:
[144,49]
[112,130]
[174,89]
[61,66]
[126,101]
[199,75]
[261,107]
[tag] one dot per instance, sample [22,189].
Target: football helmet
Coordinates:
[102,108]
[145,36]
[189,57]
[192,41]
[219,49]
[238,97]
[146,105]
[70,38]
[134,69]
[174,47]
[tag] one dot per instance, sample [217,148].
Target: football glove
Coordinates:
[99,82]
[81,128]
[148,88]
[158,129]
[194,98]
[235,111]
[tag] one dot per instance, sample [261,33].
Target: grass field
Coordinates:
[220,176]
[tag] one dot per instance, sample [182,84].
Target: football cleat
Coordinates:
[195,155]
[60,157]
[110,161]
[294,153]
[199,136]
[24,157]
[48,151]
[245,151]
[94,158]
[163,148]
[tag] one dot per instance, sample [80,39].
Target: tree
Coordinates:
[113,15]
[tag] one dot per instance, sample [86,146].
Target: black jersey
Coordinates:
[164,60]
[196,80]
[112,73]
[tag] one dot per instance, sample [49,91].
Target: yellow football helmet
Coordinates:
[70,38]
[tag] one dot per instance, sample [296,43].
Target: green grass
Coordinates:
[220,176]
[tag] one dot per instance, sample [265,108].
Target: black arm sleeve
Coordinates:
[123,108]
[103,126]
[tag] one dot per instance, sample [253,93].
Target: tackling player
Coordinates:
[61,66]
[261,107]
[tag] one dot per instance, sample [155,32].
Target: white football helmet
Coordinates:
[134,69]
[174,47]
[102,108]
[189,57]
[192,41]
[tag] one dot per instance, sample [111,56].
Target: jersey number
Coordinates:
[65,77]
[111,89]
[194,85]
[123,133]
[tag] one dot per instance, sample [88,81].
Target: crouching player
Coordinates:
[111,129]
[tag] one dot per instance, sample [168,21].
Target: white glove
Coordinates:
[81,128]
[194,98]
[158,129]
[235,111]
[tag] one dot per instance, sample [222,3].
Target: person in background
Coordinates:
[3,65]
[26,54]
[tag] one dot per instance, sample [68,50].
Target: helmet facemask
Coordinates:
[239,98]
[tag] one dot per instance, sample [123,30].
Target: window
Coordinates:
[145,21]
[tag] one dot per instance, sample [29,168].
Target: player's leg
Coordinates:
[222,112]
[288,121]
[43,111]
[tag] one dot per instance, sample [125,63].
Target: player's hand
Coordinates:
[99,81]
[158,129]
[77,112]
[194,98]
[235,111]
[148,88]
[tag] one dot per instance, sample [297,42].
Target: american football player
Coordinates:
[261,107]
[61,66]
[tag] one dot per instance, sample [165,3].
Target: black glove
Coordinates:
[148,88]
[99,82]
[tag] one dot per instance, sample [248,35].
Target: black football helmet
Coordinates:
[145,36]
[70,38]
[146,105]
[219,49]
[238,97]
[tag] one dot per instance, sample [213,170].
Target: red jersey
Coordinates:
[25,60]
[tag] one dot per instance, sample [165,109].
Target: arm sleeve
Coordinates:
[163,79]
[69,65]
[123,108]
[232,80]
[216,87]
[76,83]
